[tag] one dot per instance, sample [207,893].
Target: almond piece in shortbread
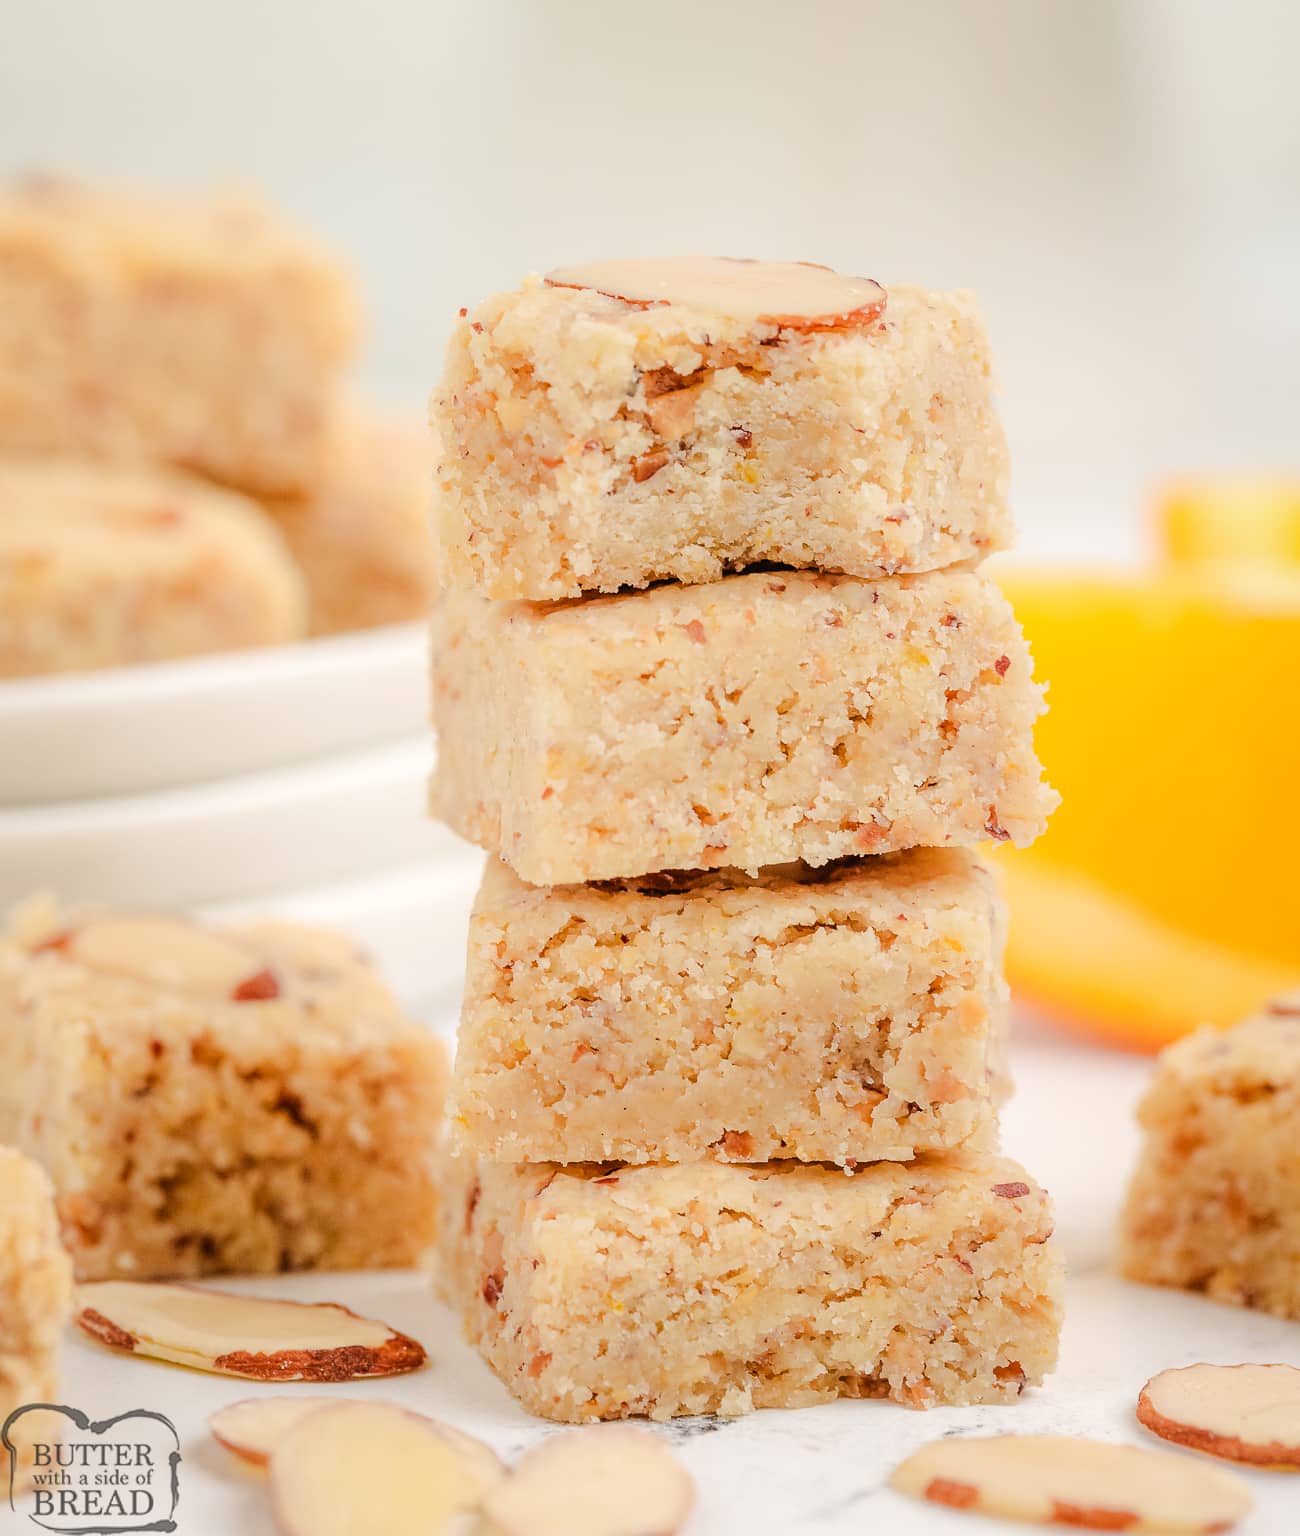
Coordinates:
[794,295]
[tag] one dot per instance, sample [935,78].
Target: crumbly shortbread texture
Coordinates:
[605,1293]
[756,720]
[206,1101]
[363,538]
[590,444]
[109,567]
[1215,1203]
[836,1015]
[202,333]
[35,1287]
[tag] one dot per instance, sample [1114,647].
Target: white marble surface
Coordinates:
[823,1471]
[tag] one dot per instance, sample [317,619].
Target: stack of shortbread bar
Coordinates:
[730,1059]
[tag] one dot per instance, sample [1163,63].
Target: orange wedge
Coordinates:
[1134,980]
[1166,891]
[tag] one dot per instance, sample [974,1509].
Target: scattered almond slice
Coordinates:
[794,295]
[372,1467]
[243,1335]
[1057,1479]
[594,1482]
[1245,1413]
[252,1429]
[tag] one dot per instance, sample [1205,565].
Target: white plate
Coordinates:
[141,728]
[232,841]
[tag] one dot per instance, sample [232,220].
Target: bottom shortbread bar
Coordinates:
[35,1302]
[1215,1204]
[603,1293]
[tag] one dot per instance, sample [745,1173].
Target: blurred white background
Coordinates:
[1119,181]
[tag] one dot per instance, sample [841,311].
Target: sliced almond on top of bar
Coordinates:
[248,1336]
[794,295]
[375,1467]
[253,1428]
[163,951]
[593,1482]
[1245,1413]
[1057,1479]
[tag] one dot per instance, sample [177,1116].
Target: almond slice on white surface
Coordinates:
[1248,1413]
[794,295]
[1057,1479]
[249,1336]
[361,1467]
[252,1429]
[593,1482]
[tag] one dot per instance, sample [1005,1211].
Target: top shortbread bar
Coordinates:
[626,422]
[203,334]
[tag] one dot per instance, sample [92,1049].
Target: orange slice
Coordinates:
[1217,519]
[1103,966]
[1163,894]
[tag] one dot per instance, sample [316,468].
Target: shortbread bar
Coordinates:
[245,1100]
[836,1015]
[1215,1204]
[604,1292]
[35,1301]
[200,333]
[106,567]
[755,720]
[623,422]
[362,538]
